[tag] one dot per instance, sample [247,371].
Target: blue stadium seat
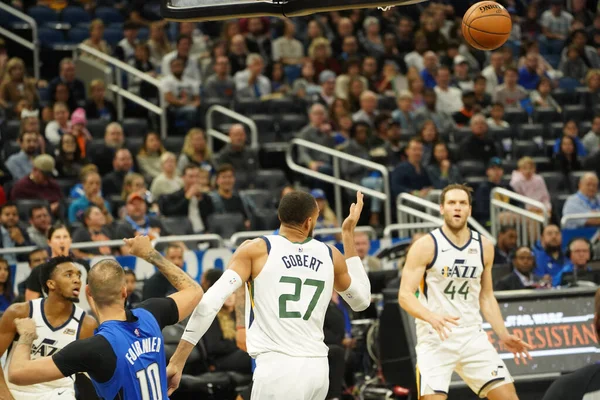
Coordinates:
[75,15]
[113,36]
[9,19]
[78,35]
[42,15]
[135,127]
[51,37]
[97,127]
[143,34]
[108,15]
[134,144]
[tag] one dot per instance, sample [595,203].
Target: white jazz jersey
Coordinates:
[289,298]
[49,341]
[452,282]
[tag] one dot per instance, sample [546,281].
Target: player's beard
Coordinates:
[453,225]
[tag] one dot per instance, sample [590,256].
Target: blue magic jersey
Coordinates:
[141,371]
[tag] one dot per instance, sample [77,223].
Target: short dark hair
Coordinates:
[457,186]
[36,207]
[56,227]
[48,268]
[188,167]
[173,246]
[511,69]
[513,255]
[22,134]
[8,204]
[212,275]
[32,252]
[183,37]
[479,78]
[498,105]
[224,168]
[129,271]
[506,228]
[296,207]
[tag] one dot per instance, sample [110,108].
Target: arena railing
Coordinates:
[336,180]
[119,67]
[409,211]
[406,230]
[212,132]
[528,224]
[237,238]
[33,45]
[208,237]
[577,217]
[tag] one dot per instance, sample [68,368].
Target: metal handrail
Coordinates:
[160,110]
[212,132]
[208,237]
[566,218]
[387,232]
[33,45]
[336,179]
[239,236]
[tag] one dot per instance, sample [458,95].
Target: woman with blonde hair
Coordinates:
[16,85]
[320,53]
[167,181]
[158,43]
[96,40]
[149,156]
[195,151]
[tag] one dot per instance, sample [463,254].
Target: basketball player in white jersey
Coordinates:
[446,283]
[290,280]
[59,322]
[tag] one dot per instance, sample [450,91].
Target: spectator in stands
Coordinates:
[573,66]
[222,352]
[566,160]
[287,49]
[441,170]
[542,97]
[35,258]
[122,165]
[522,276]
[483,194]
[279,80]
[593,84]
[199,39]
[209,277]
[304,87]
[355,88]
[326,218]
[350,49]
[191,69]
[591,140]
[317,131]
[133,299]
[237,153]
[587,54]
[20,164]
[404,114]
[510,93]
[181,93]
[362,243]
[195,151]
[555,24]
[16,86]
[449,99]
[579,254]
[133,183]
[496,118]
[462,78]
[61,95]
[11,233]
[192,200]
[97,107]
[430,66]
[67,75]
[326,94]
[464,115]
[410,176]
[220,84]
[571,129]
[526,182]
[60,123]
[79,130]
[102,155]
[141,62]
[138,222]
[483,100]
[479,146]
[370,71]
[95,229]
[443,121]
[506,245]
[250,82]
[91,196]
[530,26]
[416,87]
[549,258]
[494,73]
[158,43]
[370,37]
[167,181]
[149,156]
[586,200]
[39,184]
[529,76]
[392,152]
[226,200]
[258,39]
[157,286]
[238,53]
[96,40]
[39,225]
[125,49]
[368,108]
[392,82]
[429,136]
[7,295]
[351,70]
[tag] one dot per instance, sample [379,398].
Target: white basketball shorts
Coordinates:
[54,394]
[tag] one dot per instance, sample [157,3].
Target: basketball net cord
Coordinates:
[385,8]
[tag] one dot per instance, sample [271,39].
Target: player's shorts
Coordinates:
[466,351]
[278,376]
[54,394]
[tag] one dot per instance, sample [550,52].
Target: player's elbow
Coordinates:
[362,304]
[18,376]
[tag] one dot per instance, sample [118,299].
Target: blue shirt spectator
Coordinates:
[579,253]
[78,207]
[586,200]
[410,176]
[549,259]
[20,164]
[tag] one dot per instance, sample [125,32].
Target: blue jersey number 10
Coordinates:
[149,379]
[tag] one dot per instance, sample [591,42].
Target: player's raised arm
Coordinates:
[8,331]
[419,256]
[351,280]
[188,292]
[491,311]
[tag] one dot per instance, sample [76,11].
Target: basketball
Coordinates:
[486,25]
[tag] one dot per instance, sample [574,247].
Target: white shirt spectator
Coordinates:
[287,48]
[128,49]
[449,100]
[414,59]
[491,80]
[261,87]
[558,25]
[170,84]
[191,71]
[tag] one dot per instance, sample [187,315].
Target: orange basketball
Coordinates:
[486,25]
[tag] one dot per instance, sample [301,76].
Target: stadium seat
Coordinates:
[251,106]
[291,124]
[75,15]
[500,271]
[135,127]
[543,164]
[516,116]
[574,178]
[10,148]
[554,182]
[134,144]
[265,219]
[113,36]
[509,165]
[557,204]
[557,129]
[386,103]
[177,225]
[24,205]
[522,148]
[262,198]
[583,94]
[271,179]
[453,149]
[42,15]
[108,15]
[226,224]
[66,184]
[97,127]
[174,144]
[460,134]
[172,333]
[499,134]
[530,131]
[265,123]
[9,19]
[471,168]
[475,181]
[575,112]
[51,38]
[585,127]
[12,129]
[545,115]
[77,35]
[564,97]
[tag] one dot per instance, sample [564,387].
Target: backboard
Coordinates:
[212,10]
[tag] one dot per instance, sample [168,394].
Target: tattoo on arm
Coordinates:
[240,306]
[175,275]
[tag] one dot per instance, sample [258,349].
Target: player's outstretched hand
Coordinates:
[355,209]
[26,328]
[518,347]
[140,246]
[173,378]
[443,324]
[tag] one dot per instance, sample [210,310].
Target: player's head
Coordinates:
[299,210]
[106,285]
[455,205]
[130,280]
[61,277]
[59,240]
[209,278]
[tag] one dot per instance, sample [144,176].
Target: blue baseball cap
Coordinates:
[318,194]
[495,162]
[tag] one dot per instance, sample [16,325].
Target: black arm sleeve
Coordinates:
[93,355]
[164,310]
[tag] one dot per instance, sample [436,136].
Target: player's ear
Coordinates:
[51,284]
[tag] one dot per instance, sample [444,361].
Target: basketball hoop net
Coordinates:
[385,8]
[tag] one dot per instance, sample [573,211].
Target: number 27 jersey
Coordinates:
[452,281]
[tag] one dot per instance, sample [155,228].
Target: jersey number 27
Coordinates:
[297,282]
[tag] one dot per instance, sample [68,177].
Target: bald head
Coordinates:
[106,281]
[588,185]
[237,135]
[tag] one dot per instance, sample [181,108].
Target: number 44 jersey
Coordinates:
[452,281]
[289,298]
